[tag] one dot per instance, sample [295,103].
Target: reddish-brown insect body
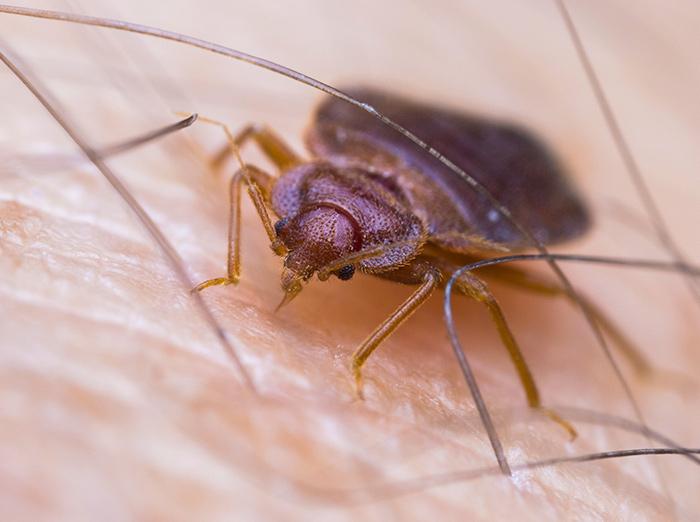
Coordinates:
[370,187]
[370,200]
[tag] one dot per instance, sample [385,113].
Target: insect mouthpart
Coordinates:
[291,284]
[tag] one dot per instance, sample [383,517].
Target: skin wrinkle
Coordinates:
[98,320]
[413,382]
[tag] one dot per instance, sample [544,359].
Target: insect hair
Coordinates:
[679,266]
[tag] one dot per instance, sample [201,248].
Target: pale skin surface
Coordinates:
[116,402]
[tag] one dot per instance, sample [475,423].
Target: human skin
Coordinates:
[117,402]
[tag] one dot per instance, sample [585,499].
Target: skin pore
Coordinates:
[116,400]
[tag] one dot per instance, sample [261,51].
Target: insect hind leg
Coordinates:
[477,289]
[529,282]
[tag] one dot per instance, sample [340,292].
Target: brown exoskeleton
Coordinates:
[369,200]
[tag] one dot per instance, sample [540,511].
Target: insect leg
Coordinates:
[475,288]
[526,281]
[258,183]
[391,323]
[273,146]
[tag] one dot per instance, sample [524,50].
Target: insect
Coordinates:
[228,430]
[369,201]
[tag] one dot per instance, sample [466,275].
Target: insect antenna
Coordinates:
[54,109]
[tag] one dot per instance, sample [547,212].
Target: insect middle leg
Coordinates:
[477,289]
[274,147]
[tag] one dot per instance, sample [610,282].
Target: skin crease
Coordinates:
[117,403]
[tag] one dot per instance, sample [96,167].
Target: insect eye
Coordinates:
[279,225]
[345,273]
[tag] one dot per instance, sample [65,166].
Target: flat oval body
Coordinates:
[515,168]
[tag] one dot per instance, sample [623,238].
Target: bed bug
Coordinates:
[305,405]
[368,200]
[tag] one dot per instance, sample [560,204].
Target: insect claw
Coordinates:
[573,434]
[359,393]
[214,282]
[286,299]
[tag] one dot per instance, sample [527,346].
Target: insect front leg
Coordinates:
[258,183]
[475,288]
[424,291]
